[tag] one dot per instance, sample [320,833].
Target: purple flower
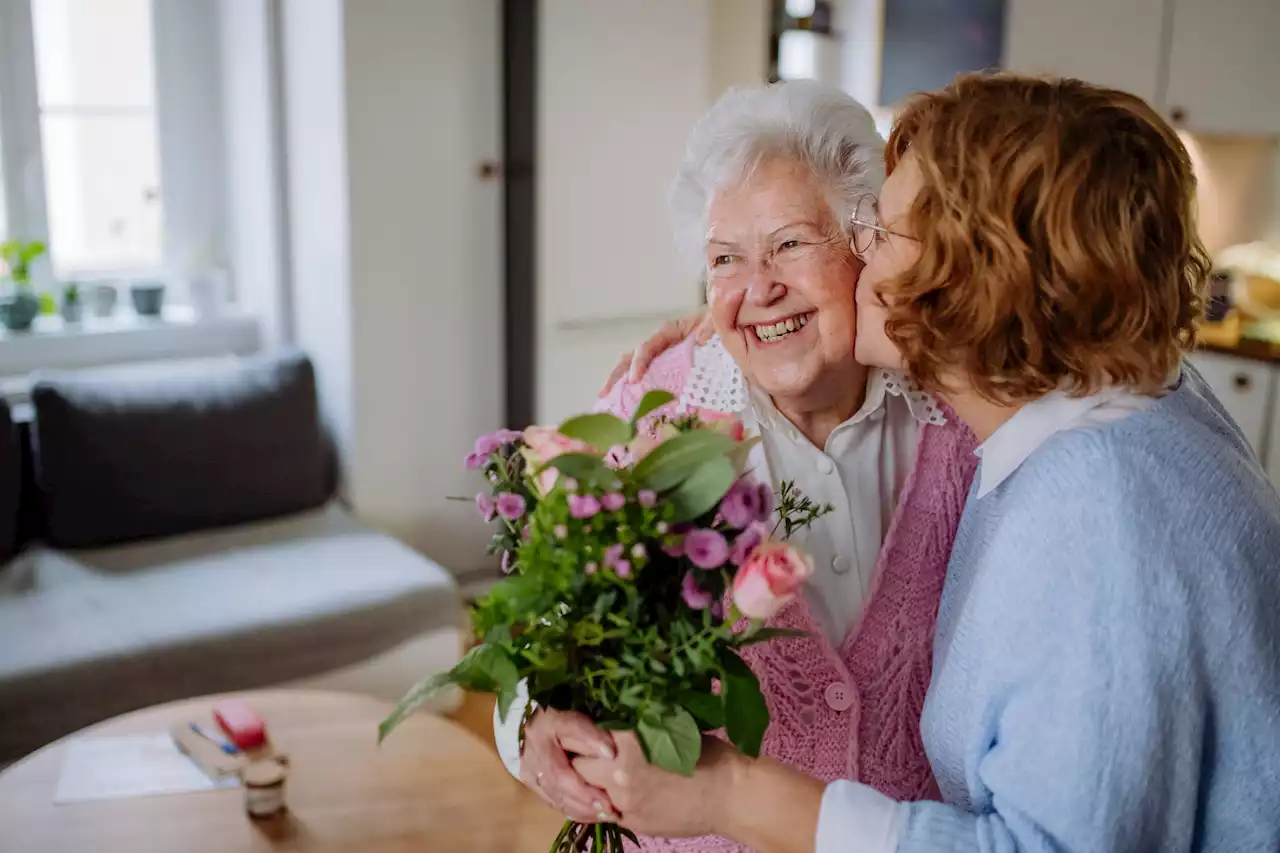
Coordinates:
[486,444]
[623,569]
[506,562]
[717,610]
[693,595]
[510,506]
[583,506]
[484,506]
[648,498]
[741,504]
[745,543]
[766,501]
[612,555]
[706,549]
[474,461]
[674,548]
[525,534]
[613,501]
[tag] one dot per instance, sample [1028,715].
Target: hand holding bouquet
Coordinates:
[639,560]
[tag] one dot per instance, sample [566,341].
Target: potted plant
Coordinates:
[18,310]
[148,297]
[103,297]
[72,305]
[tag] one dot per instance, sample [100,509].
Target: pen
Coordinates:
[228,748]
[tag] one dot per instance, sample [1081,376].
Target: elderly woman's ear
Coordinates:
[633,364]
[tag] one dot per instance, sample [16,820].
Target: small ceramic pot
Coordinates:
[104,297]
[148,298]
[72,312]
[208,293]
[19,311]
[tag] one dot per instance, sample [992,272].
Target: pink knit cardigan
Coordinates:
[853,712]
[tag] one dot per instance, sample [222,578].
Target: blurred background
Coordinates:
[456,208]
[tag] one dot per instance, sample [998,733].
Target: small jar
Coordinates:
[263,787]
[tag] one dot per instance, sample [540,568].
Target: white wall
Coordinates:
[396,247]
[620,86]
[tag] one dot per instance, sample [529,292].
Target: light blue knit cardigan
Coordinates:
[1107,659]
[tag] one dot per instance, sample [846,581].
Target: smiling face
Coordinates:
[889,256]
[780,281]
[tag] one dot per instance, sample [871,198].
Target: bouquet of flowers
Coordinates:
[639,559]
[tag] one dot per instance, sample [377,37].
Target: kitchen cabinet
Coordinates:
[1224,61]
[1106,42]
[1247,390]
[1208,66]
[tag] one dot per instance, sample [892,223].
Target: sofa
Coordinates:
[172,530]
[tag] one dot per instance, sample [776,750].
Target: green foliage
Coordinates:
[702,490]
[18,255]
[417,696]
[795,511]
[676,459]
[671,740]
[746,716]
[649,402]
[601,430]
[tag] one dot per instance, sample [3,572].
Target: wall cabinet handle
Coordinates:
[1242,381]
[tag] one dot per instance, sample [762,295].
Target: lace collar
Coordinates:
[716,383]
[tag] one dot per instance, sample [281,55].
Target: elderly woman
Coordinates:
[763,202]
[1107,672]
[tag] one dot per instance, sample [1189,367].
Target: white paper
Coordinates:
[107,768]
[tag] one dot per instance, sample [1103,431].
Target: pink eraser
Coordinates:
[241,722]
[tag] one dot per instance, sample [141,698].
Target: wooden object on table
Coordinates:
[431,786]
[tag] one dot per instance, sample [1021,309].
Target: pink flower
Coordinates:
[484,506]
[648,498]
[693,595]
[613,501]
[590,568]
[583,506]
[649,440]
[560,530]
[506,562]
[510,506]
[770,578]
[706,549]
[741,504]
[474,461]
[638,551]
[746,542]
[612,555]
[486,444]
[623,569]
[766,501]
[541,445]
[723,422]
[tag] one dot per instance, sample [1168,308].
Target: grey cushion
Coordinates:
[10,482]
[89,635]
[159,450]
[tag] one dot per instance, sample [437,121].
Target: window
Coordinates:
[96,94]
[78,135]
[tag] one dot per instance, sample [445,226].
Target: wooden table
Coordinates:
[433,786]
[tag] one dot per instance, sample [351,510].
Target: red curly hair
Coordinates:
[1059,247]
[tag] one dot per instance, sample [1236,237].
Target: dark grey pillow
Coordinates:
[155,451]
[10,482]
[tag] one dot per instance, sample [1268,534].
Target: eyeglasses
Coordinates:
[866,224]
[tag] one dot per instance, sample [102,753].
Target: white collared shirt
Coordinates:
[860,472]
[855,818]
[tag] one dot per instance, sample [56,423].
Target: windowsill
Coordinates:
[125,337]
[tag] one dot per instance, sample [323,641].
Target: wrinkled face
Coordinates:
[889,255]
[780,280]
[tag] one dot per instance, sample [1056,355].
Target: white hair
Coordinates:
[817,125]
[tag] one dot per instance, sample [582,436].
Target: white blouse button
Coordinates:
[825,466]
[840,564]
[839,697]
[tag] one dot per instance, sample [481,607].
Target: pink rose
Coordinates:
[769,578]
[649,440]
[723,422]
[542,444]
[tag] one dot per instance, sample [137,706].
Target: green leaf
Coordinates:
[676,458]
[671,741]
[746,716]
[586,467]
[487,668]
[613,726]
[703,489]
[706,708]
[417,696]
[601,430]
[740,453]
[651,400]
[630,836]
[750,638]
